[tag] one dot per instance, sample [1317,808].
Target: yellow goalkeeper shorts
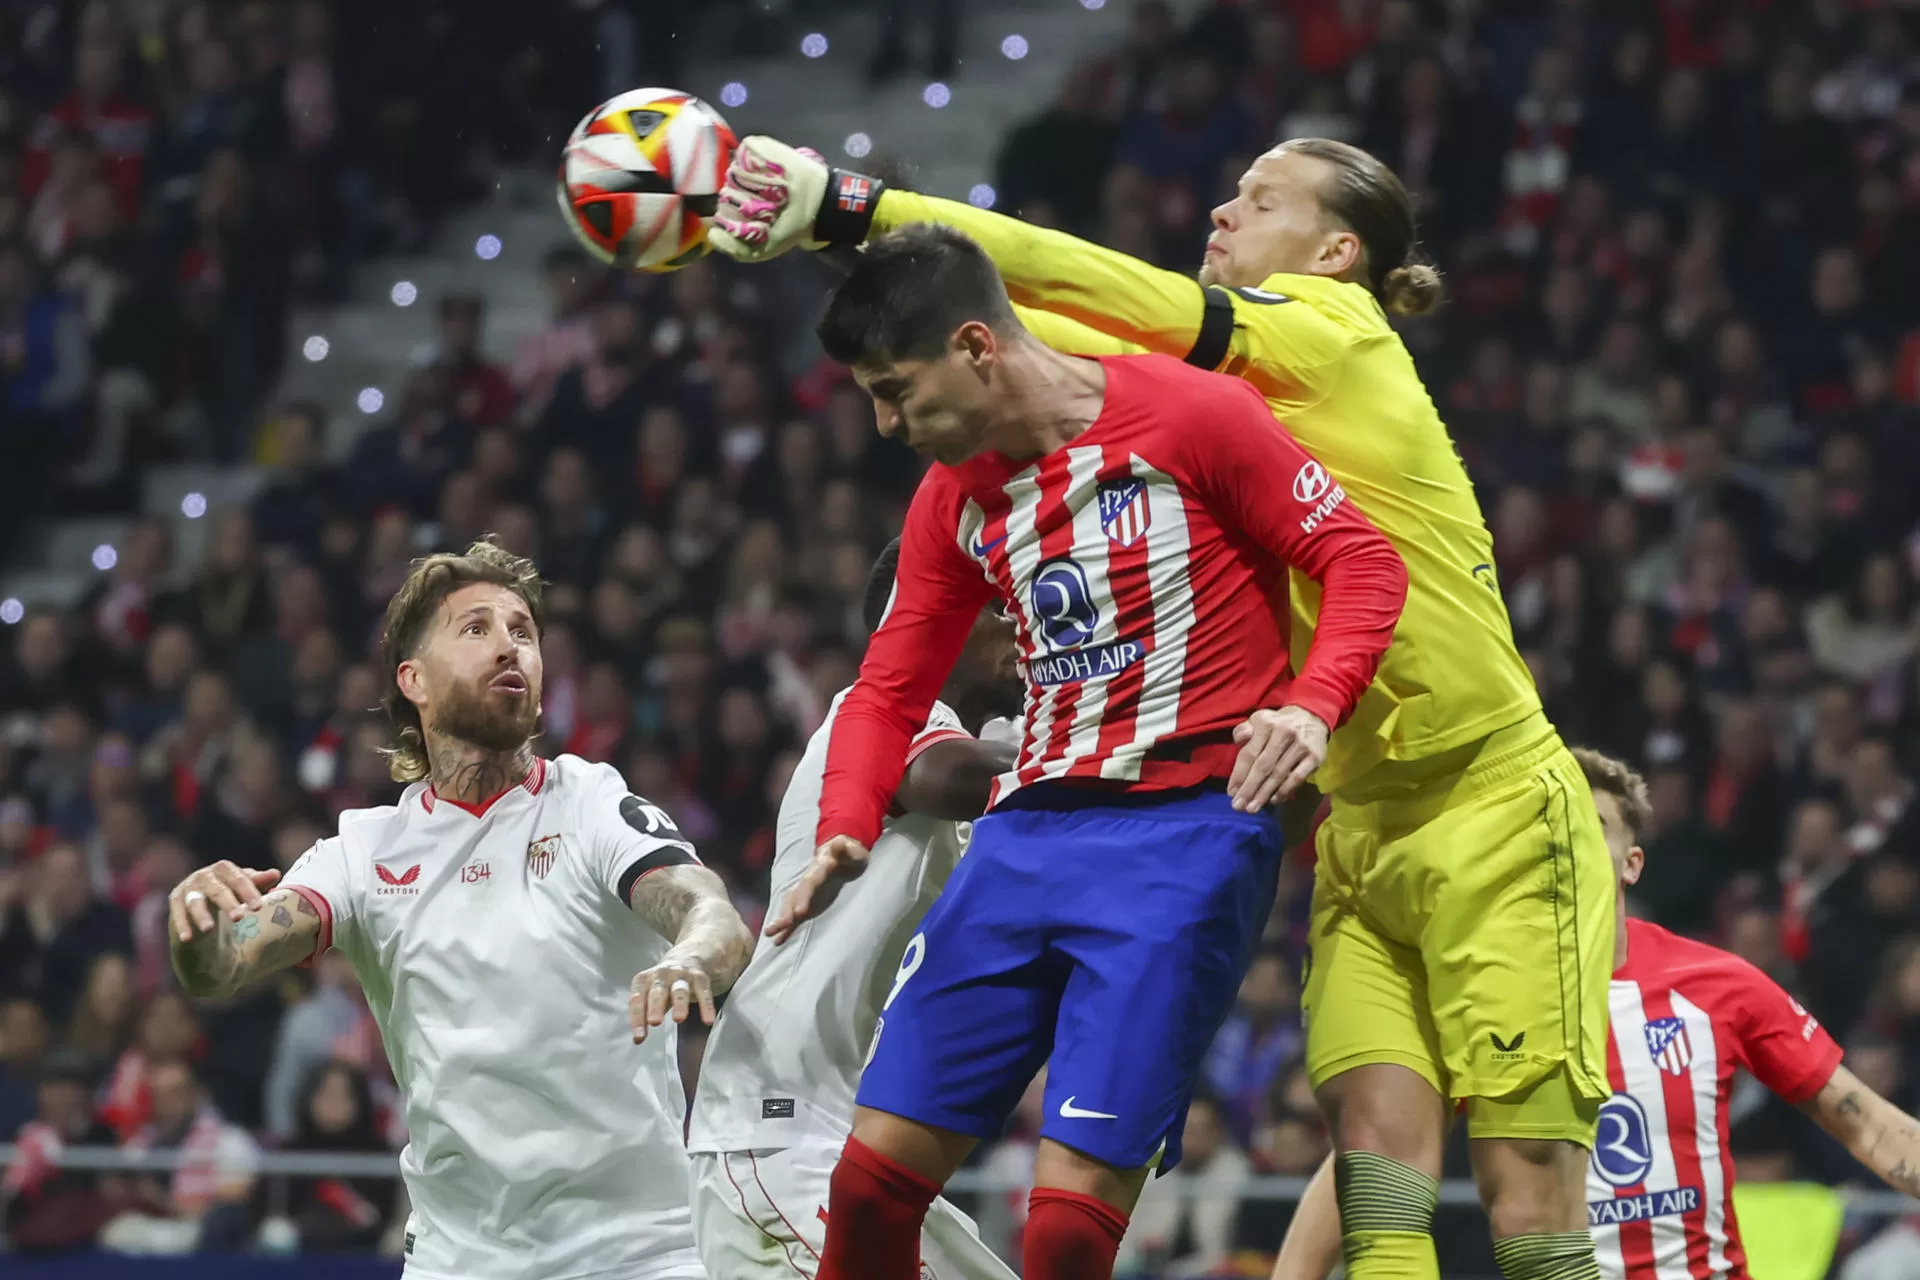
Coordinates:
[1463,927]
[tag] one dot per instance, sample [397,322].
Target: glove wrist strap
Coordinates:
[846,211]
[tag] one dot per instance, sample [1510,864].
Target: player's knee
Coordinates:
[1386,1110]
[1531,1186]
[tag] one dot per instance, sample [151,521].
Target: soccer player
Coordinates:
[775,1101]
[1453,954]
[1124,511]
[519,925]
[1659,1185]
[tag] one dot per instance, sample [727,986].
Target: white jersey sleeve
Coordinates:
[322,876]
[629,836]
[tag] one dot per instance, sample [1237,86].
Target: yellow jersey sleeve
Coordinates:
[1051,271]
[1072,337]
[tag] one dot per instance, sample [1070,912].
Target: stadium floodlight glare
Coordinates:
[982,196]
[370,400]
[11,610]
[194,505]
[936,95]
[857,145]
[1014,47]
[315,349]
[733,94]
[1093,4]
[813,45]
[487,248]
[105,557]
[404,293]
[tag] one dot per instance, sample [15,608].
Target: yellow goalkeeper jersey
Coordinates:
[1322,353]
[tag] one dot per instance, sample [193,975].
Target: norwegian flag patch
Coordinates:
[855,192]
[1124,512]
[1670,1046]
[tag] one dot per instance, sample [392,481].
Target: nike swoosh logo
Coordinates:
[980,549]
[1070,1112]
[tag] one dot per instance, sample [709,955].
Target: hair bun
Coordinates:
[1412,290]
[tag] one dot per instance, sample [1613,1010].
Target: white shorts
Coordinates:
[676,1264]
[764,1214]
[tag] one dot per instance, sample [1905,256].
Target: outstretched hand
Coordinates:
[836,862]
[770,198]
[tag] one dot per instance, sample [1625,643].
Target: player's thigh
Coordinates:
[970,1017]
[1159,943]
[757,1214]
[1363,995]
[1518,951]
[951,1248]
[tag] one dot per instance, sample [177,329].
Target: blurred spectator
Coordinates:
[292,509]
[50,1209]
[54,934]
[102,1024]
[204,1204]
[482,393]
[1262,1034]
[307,1036]
[336,1114]
[1183,1224]
[23,1046]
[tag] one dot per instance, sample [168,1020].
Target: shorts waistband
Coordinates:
[1519,749]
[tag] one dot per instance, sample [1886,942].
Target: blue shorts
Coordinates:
[1107,932]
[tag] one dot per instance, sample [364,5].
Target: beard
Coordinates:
[490,721]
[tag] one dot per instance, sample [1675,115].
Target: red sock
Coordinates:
[1070,1236]
[874,1212]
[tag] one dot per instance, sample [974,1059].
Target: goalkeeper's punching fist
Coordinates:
[777,196]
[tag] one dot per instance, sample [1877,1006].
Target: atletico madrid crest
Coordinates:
[1670,1046]
[1124,512]
[540,855]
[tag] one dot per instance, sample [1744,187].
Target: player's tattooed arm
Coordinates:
[688,905]
[225,931]
[1878,1134]
[953,779]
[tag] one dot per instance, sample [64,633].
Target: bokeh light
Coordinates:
[404,293]
[370,400]
[11,610]
[857,145]
[193,506]
[487,248]
[105,557]
[936,95]
[315,348]
[733,94]
[1014,47]
[982,196]
[813,44]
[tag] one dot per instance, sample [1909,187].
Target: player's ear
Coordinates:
[412,682]
[1636,864]
[1340,252]
[976,343]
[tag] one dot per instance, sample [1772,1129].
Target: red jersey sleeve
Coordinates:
[938,592]
[1279,496]
[1784,1046]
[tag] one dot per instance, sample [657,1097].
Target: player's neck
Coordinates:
[1051,399]
[470,774]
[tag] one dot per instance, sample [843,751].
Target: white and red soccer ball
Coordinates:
[640,178]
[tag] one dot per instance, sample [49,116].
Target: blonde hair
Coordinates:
[1370,199]
[410,611]
[1606,775]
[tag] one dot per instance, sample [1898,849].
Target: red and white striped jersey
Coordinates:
[1660,1183]
[1145,568]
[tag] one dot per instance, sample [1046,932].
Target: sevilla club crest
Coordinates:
[541,854]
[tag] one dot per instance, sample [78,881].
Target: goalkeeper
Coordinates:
[1462,926]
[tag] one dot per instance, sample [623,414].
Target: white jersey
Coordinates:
[497,948]
[783,1063]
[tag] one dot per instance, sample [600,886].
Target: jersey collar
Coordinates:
[531,784]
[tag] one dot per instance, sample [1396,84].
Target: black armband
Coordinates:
[846,211]
[672,855]
[1216,330]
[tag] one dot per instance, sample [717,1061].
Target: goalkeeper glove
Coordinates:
[776,196]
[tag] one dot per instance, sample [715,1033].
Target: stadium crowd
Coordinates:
[1681,358]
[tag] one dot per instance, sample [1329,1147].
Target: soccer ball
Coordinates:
[640,178]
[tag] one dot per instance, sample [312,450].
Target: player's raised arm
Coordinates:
[778,196]
[688,905]
[1287,503]
[227,926]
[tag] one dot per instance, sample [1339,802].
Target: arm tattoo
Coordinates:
[687,905]
[1848,1106]
[268,938]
